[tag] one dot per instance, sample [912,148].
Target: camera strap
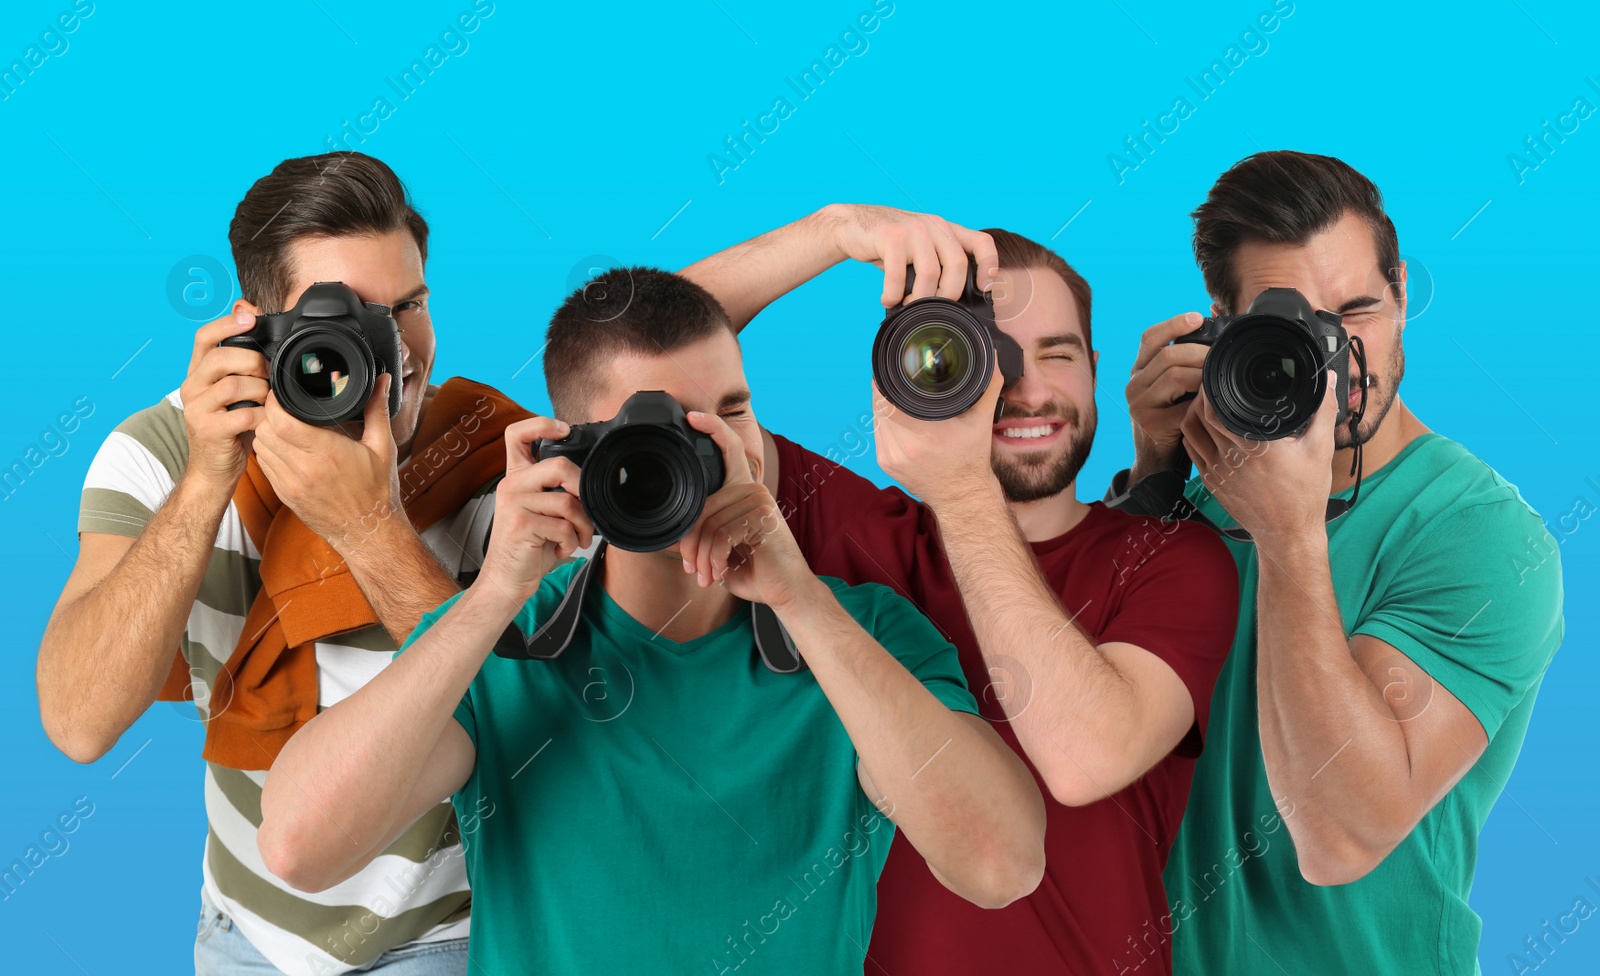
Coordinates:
[553,636]
[1161,495]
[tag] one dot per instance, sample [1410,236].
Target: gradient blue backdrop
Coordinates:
[551,136]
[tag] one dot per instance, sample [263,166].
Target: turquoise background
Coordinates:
[551,135]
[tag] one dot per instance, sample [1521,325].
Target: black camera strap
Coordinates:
[1161,495]
[553,636]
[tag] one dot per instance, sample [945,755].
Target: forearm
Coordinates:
[747,277]
[1074,713]
[340,786]
[963,798]
[1330,744]
[398,574]
[105,655]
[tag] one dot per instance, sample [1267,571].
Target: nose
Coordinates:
[1029,392]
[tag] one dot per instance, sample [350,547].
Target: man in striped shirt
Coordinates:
[167,561]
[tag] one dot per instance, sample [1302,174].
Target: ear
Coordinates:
[1400,294]
[1094,363]
[1217,309]
[240,305]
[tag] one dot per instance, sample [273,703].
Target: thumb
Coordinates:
[375,431]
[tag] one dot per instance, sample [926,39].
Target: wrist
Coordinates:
[973,492]
[206,491]
[826,227]
[1293,546]
[376,538]
[1155,460]
[489,598]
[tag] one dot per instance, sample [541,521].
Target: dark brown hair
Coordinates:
[338,194]
[1019,252]
[623,310]
[1284,197]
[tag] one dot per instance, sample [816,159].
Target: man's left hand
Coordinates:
[742,540]
[342,488]
[1277,490]
[938,460]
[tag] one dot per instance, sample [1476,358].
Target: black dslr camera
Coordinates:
[933,357]
[1266,372]
[645,473]
[324,355]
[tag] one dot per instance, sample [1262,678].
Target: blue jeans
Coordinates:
[220,949]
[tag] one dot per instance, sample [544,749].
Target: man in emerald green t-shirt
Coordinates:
[1386,663]
[655,799]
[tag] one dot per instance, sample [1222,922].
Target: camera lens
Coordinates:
[1264,377]
[932,359]
[324,375]
[644,487]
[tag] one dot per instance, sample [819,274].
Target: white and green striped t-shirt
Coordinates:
[416,890]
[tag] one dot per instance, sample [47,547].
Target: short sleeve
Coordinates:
[464,713]
[133,472]
[1179,600]
[903,631]
[1477,605]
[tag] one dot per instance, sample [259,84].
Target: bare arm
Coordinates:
[363,771]
[965,801]
[747,277]
[398,574]
[114,632]
[1359,769]
[1095,718]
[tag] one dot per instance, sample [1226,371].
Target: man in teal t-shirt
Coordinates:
[1386,663]
[656,798]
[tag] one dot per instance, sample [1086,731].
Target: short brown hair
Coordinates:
[1284,197]
[337,194]
[1020,252]
[620,311]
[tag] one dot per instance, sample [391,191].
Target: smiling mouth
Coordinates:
[1020,433]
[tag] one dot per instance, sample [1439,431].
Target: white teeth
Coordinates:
[1028,431]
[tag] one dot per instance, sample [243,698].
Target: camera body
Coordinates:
[324,355]
[1266,372]
[932,357]
[645,474]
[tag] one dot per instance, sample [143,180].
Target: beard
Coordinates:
[1380,398]
[1041,474]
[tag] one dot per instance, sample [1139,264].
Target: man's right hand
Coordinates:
[219,438]
[892,239]
[534,528]
[1164,380]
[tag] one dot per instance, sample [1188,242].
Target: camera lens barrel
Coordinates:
[933,358]
[324,374]
[1264,377]
[643,486]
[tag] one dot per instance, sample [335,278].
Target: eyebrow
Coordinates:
[414,293]
[1061,339]
[1365,301]
[737,398]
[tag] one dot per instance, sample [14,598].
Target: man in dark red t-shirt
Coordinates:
[1091,638]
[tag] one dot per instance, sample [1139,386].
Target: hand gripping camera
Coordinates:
[1266,371]
[933,357]
[324,355]
[644,478]
[646,474]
